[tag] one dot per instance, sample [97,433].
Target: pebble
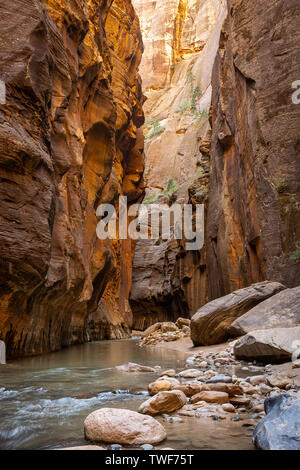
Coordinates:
[147,447]
[116,447]
[228,407]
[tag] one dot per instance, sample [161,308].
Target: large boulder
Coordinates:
[268,346]
[121,426]
[280,311]
[210,325]
[164,402]
[280,428]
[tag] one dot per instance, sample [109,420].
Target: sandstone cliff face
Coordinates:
[181,40]
[69,140]
[239,156]
[253,214]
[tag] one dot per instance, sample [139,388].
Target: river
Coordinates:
[44,400]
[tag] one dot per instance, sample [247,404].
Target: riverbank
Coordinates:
[185,346]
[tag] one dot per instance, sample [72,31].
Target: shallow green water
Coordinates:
[44,400]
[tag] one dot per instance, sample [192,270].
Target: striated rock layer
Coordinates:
[69,141]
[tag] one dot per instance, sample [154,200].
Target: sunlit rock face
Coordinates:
[69,139]
[253,216]
[181,39]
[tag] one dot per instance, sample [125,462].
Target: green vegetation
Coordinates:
[296,254]
[172,187]
[152,198]
[155,130]
[189,106]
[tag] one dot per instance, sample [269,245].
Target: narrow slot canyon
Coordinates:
[174,108]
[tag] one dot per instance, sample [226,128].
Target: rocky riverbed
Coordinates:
[213,386]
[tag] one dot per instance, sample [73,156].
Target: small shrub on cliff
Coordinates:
[171,188]
[152,198]
[156,129]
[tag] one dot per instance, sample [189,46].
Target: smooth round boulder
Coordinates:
[228,407]
[113,425]
[159,386]
[164,402]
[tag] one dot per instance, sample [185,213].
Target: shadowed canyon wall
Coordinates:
[253,215]
[69,140]
[222,126]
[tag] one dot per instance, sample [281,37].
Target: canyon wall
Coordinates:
[221,126]
[181,40]
[253,215]
[69,140]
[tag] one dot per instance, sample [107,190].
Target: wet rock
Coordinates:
[211,323]
[190,373]
[159,386]
[123,426]
[132,367]
[164,402]
[211,397]
[220,378]
[296,365]
[169,373]
[116,447]
[147,447]
[280,428]
[172,419]
[280,311]
[268,346]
